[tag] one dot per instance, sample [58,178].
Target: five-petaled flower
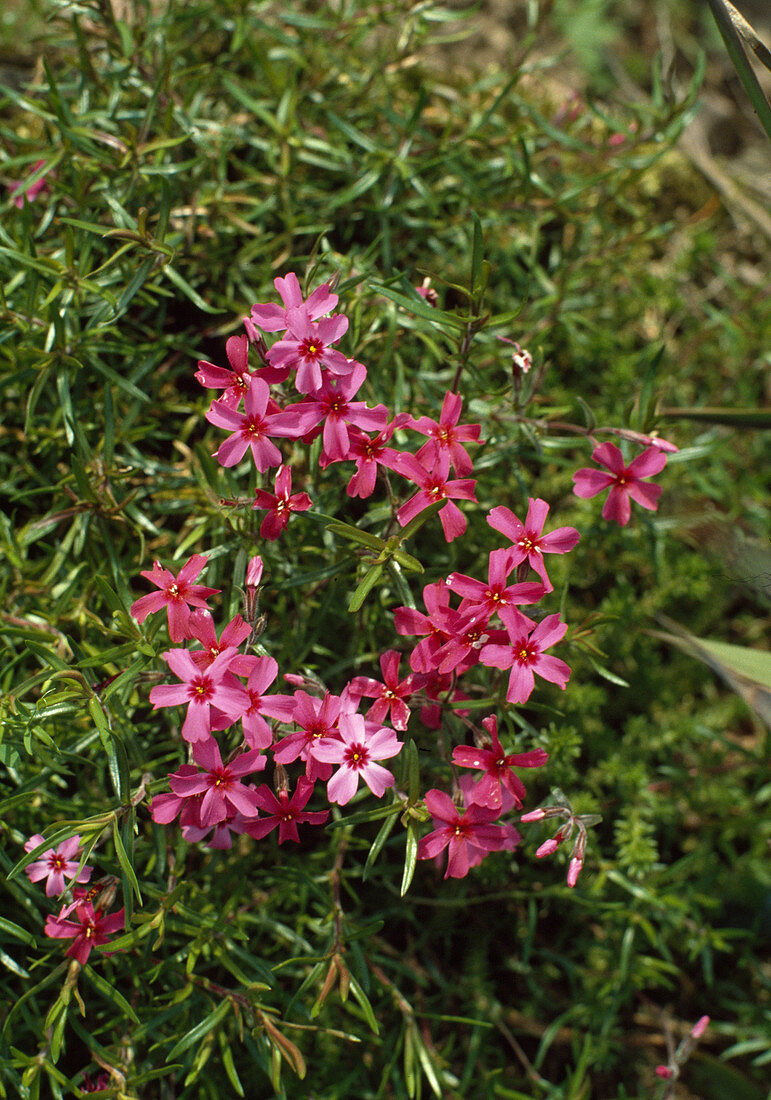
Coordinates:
[624,481]
[285,812]
[529,542]
[90,928]
[201,688]
[54,865]
[220,784]
[497,765]
[177,595]
[525,655]
[463,834]
[391,695]
[356,753]
[280,504]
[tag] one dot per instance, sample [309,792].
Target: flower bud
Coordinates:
[699,1027]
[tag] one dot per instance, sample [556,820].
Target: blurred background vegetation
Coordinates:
[195,151]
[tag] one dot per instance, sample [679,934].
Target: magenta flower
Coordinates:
[356,752]
[263,671]
[529,542]
[272,318]
[623,481]
[54,865]
[434,486]
[464,834]
[201,627]
[369,453]
[89,929]
[250,429]
[446,437]
[177,595]
[525,655]
[285,812]
[497,766]
[318,720]
[234,382]
[165,807]
[279,505]
[390,695]
[223,793]
[408,620]
[27,192]
[201,689]
[331,403]
[307,347]
[487,599]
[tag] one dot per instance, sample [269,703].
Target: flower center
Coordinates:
[356,756]
[201,689]
[311,349]
[526,544]
[437,492]
[253,428]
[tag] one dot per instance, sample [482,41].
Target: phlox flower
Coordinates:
[285,812]
[177,595]
[201,689]
[272,318]
[463,833]
[446,436]
[369,452]
[279,505]
[525,655]
[440,693]
[356,753]
[307,347]
[497,767]
[624,481]
[529,542]
[318,720]
[54,865]
[410,621]
[90,928]
[391,695]
[250,429]
[487,599]
[262,672]
[236,381]
[223,793]
[165,807]
[201,627]
[434,486]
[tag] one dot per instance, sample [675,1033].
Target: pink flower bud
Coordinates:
[700,1027]
[254,571]
[574,870]
[548,847]
[664,1071]
[533,815]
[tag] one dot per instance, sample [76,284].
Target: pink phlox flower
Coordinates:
[410,621]
[201,689]
[97,1084]
[467,633]
[257,732]
[335,407]
[391,695]
[90,928]
[280,504]
[439,693]
[529,542]
[56,864]
[223,793]
[318,720]
[356,752]
[177,595]
[201,627]
[434,486]
[285,812]
[250,430]
[446,436]
[525,655]
[236,381]
[28,192]
[221,838]
[369,452]
[272,318]
[497,765]
[307,347]
[462,833]
[653,440]
[488,599]
[624,481]
[513,836]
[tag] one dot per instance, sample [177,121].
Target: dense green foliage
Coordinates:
[194,152]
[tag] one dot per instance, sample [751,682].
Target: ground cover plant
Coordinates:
[384,705]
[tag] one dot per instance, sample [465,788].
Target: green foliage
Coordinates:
[192,153]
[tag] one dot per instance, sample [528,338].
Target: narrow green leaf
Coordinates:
[125,862]
[365,587]
[111,994]
[198,1032]
[382,836]
[410,855]
[741,63]
[366,1007]
[739,418]
[187,290]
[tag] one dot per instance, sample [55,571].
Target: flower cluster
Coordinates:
[302,387]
